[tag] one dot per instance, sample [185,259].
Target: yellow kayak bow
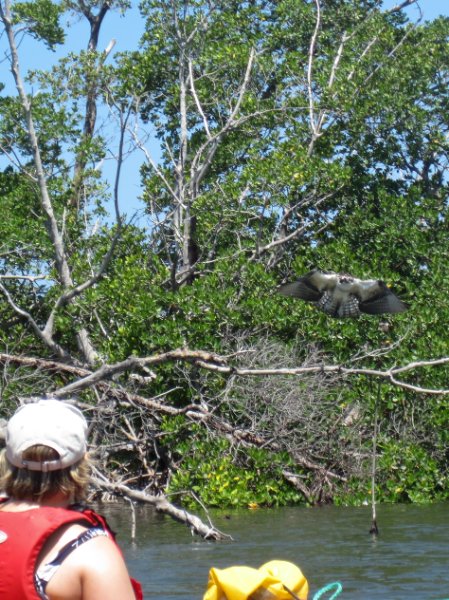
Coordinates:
[275,580]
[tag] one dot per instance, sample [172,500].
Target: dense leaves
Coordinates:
[274,136]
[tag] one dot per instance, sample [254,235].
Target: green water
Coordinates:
[408,560]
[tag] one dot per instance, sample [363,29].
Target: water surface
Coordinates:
[408,560]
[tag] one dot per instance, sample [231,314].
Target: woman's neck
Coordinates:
[58,500]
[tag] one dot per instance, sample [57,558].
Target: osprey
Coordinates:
[341,295]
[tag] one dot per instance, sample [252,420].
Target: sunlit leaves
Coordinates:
[42,20]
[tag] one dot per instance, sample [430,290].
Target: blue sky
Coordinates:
[430,8]
[127,30]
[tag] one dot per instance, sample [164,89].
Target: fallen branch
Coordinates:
[161,504]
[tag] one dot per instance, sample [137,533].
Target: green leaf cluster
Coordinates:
[221,476]
[42,20]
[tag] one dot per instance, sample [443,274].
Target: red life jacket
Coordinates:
[22,536]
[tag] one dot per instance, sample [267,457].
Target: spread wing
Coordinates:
[310,286]
[376,298]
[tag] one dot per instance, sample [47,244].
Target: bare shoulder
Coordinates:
[103,549]
[103,570]
[95,569]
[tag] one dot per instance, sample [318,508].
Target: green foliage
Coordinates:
[368,196]
[219,475]
[410,474]
[405,473]
[42,20]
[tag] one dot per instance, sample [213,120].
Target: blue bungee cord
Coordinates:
[336,587]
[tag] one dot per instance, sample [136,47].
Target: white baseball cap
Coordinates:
[52,423]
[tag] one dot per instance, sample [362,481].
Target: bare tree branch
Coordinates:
[312,48]
[219,364]
[402,5]
[42,334]
[161,504]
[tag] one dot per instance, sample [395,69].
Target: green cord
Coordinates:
[328,588]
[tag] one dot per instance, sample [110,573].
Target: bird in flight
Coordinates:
[342,295]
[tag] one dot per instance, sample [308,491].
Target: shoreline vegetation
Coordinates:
[270,138]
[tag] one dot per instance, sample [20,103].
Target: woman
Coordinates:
[49,548]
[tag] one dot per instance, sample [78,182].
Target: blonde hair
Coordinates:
[38,486]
